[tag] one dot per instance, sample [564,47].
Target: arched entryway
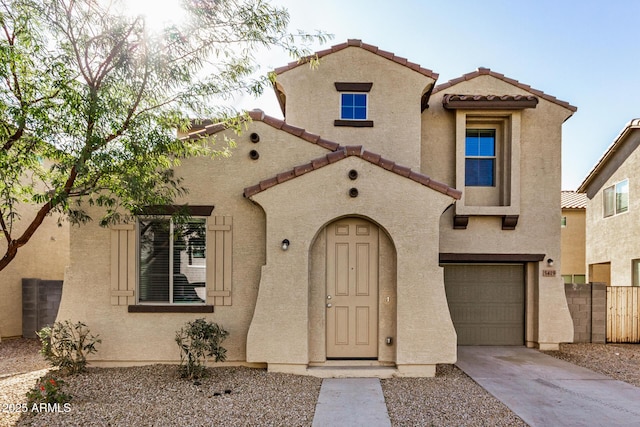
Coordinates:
[352,295]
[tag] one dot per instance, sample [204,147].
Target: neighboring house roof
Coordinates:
[358,43]
[343,153]
[487,72]
[573,200]
[615,155]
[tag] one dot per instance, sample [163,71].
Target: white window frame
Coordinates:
[612,193]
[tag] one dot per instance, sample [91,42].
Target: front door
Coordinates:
[352,289]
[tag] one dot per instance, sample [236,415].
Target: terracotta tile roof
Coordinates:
[487,72]
[342,153]
[573,200]
[258,115]
[358,43]
[452,101]
[613,148]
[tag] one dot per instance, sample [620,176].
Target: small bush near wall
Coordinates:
[198,340]
[66,345]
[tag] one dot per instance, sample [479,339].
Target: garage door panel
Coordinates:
[486,303]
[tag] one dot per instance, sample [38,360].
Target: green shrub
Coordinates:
[198,340]
[47,390]
[66,345]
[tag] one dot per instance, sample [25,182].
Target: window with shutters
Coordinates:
[172,261]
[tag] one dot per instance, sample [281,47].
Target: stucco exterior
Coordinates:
[288,182]
[574,239]
[45,256]
[612,244]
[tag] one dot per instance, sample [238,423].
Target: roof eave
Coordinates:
[602,162]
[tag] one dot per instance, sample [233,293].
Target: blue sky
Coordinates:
[580,51]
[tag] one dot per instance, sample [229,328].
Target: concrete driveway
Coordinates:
[545,391]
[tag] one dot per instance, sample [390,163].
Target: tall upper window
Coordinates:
[615,198]
[480,157]
[353,106]
[172,261]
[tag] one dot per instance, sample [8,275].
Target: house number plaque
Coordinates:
[548,273]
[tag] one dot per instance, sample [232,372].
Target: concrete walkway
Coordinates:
[351,402]
[545,391]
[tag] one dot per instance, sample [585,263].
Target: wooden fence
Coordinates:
[623,314]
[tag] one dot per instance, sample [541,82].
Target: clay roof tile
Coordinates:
[336,155]
[285,176]
[387,164]
[302,169]
[349,151]
[486,71]
[320,162]
[259,116]
[371,157]
[401,170]
[268,183]
[358,43]
[353,150]
[329,145]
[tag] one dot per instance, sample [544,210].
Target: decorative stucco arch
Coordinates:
[408,210]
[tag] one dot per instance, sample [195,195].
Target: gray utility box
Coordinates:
[40,302]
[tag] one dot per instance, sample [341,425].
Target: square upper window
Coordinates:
[353,106]
[480,157]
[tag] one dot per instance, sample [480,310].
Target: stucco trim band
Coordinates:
[170,309]
[459,257]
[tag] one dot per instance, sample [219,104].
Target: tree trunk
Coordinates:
[14,245]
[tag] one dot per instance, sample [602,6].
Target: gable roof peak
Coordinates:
[359,44]
[348,151]
[483,71]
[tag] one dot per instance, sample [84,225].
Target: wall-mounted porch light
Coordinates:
[550,262]
[285,244]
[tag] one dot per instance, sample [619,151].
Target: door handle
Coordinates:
[329,305]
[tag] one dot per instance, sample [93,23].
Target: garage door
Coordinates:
[486,303]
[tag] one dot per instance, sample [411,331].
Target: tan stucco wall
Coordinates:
[425,334]
[45,256]
[538,184]
[313,102]
[573,242]
[150,336]
[615,239]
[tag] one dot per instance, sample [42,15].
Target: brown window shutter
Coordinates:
[219,259]
[123,264]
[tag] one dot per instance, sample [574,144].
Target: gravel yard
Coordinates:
[618,361]
[154,395]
